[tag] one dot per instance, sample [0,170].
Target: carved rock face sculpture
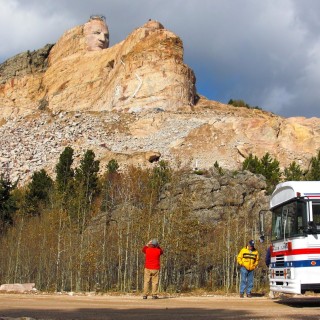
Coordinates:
[81,72]
[97,34]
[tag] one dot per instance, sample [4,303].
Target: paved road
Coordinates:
[173,308]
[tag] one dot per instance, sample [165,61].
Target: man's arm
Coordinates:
[239,257]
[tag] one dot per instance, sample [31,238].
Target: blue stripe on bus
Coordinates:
[296,264]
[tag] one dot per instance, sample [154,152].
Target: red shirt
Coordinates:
[152,260]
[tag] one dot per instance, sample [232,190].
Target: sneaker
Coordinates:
[155,297]
[249,295]
[241,295]
[145,297]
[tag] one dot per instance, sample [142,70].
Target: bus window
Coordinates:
[316,215]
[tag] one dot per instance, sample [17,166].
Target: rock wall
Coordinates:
[213,196]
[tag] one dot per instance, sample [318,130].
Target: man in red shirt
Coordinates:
[151,268]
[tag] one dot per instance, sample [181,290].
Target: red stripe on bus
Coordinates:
[295,252]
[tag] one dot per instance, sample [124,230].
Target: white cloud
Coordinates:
[24,29]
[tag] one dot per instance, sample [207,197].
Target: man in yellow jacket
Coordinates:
[248,259]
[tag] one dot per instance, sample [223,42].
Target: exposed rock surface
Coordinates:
[134,102]
[146,70]
[25,63]
[214,196]
[18,287]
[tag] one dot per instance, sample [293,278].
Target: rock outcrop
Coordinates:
[18,287]
[213,196]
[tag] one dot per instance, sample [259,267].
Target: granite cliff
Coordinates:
[136,102]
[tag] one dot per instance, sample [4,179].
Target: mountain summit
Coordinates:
[145,71]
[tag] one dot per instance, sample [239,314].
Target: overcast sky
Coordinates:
[265,52]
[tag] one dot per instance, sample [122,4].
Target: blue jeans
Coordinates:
[246,280]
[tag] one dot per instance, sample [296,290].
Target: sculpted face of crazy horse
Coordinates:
[96,33]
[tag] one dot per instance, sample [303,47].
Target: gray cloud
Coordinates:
[264,52]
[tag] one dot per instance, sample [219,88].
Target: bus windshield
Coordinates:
[289,220]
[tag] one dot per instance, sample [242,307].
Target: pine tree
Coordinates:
[266,166]
[293,172]
[38,191]
[313,173]
[112,166]
[271,169]
[8,204]
[87,173]
[252,164]
[64,171]
[86,186]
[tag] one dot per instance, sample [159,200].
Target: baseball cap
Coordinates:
[154,242]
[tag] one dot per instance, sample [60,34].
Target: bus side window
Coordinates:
[316,214]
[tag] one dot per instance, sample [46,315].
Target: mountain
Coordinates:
[135,102]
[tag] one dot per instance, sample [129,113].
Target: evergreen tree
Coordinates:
[313,173]
[8,204]
[112,166]
[38,191]
[86,186]
[87,173]
[64,171]
[270,168]
[293,172]
[252,164]
[266,166]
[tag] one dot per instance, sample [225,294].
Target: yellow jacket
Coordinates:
[247,258]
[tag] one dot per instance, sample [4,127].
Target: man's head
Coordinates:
[251,244]
[96,33]
[153,243]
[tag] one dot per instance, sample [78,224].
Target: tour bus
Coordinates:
[295,237]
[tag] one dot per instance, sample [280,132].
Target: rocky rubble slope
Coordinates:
[212,132]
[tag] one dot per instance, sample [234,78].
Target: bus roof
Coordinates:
[288,190]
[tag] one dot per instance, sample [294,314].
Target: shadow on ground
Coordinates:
[298,302]
[132,314]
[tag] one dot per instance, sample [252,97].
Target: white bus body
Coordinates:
[295,237]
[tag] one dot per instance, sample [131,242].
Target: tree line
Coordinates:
[270,168]
[84,230]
